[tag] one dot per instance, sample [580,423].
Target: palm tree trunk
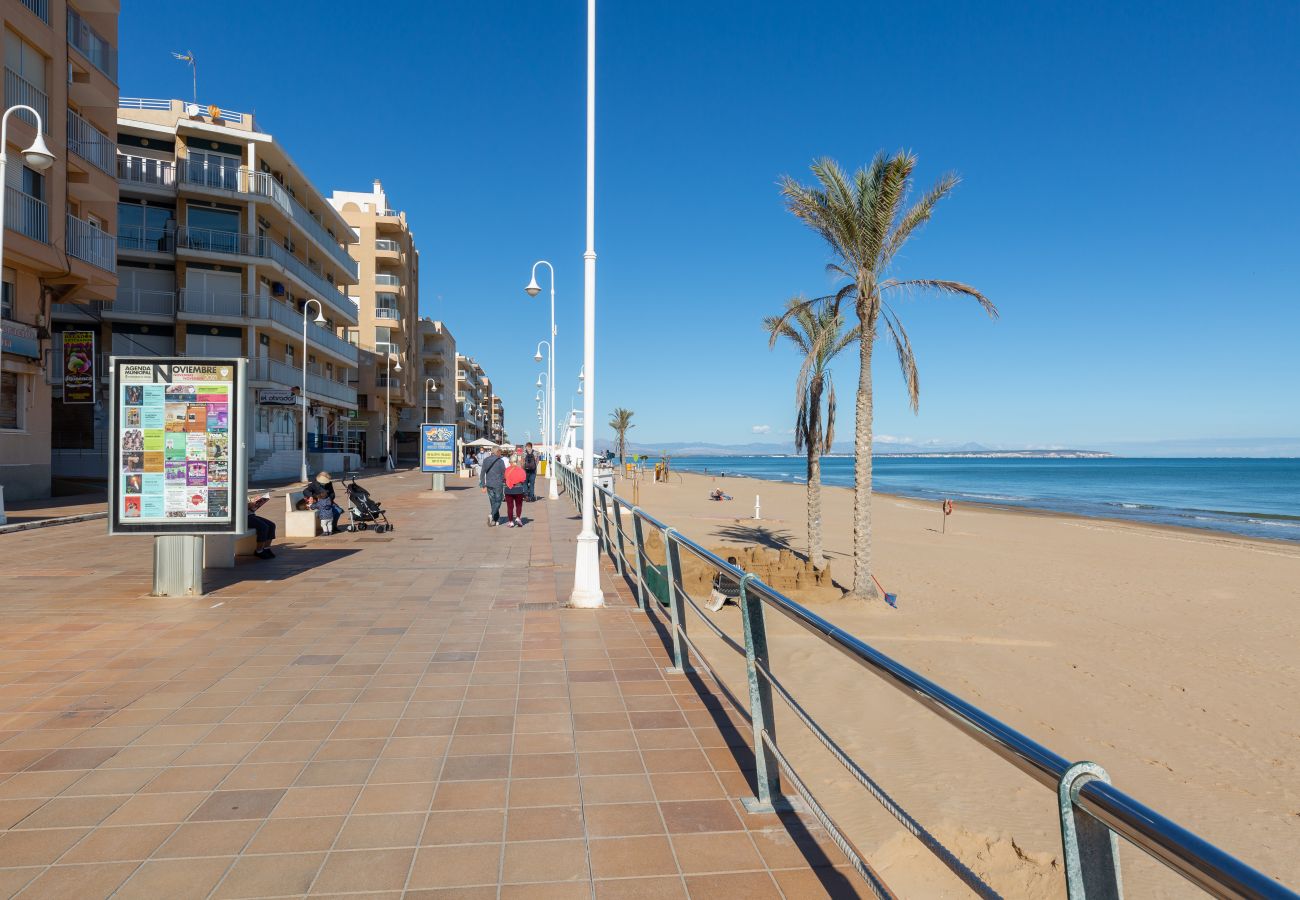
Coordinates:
[863,587]
[815,554]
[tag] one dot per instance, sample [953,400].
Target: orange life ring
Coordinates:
[947,507]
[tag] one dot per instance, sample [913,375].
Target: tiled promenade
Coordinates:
[381,716]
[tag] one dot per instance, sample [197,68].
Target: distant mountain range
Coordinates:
[686,448]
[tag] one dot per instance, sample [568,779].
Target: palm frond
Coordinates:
[919,213]
[906,358]
[830,415]
[947,287]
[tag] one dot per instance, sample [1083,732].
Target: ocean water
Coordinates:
[1250,497]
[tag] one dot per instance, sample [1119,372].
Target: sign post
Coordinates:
[177,459]
[437,453]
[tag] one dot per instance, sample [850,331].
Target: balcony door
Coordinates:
[216,170]
[213,293]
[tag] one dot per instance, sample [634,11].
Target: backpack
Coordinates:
[530,461]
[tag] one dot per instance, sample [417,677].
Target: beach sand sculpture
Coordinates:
[793,576]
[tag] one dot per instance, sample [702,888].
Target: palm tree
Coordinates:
[621,420]
[818,332]
[864,221]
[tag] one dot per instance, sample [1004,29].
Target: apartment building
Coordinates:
[496,417]
[435,377]
[225,248]
[472,390]
[388,306]
[60,59]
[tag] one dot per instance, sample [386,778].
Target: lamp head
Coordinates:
[579,389]
[320,320]
[38,156]
[532,290]
[397,367]
[539,381]
[537,357]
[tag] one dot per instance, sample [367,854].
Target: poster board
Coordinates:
[437,447]
[176,459]
[79,376]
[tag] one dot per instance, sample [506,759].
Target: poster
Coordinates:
[437,448]
[79,376]
[175,465]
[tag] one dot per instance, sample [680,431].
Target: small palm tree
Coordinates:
[865,222]
[818,332]
[621,420]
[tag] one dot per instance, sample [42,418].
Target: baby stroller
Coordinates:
[364,510]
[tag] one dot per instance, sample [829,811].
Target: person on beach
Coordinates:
[492,479]
[264,528]
[530,469]
[717,494]
[516,480]
[320,497]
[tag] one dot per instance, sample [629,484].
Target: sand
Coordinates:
[1168,656]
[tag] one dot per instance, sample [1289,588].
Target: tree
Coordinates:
[621,420]
[818,331]
[864,221]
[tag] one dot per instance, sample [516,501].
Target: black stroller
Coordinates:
[364,510]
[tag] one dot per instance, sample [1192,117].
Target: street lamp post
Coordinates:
[388,407]
[38,157]
[429,383]
[319,320]
[533,290]
[586,570]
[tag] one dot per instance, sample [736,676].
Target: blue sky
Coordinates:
[1128,197]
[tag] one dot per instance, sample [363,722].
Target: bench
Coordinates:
[299,523]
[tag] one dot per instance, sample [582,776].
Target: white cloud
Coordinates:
[761,429]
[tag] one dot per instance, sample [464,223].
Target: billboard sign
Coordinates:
[278,397]
[176,464]
[437,448]
[79,367]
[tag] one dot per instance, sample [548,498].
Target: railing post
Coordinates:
[618,534]
[1091,849]
[677,621]
[767,776]
[637,544]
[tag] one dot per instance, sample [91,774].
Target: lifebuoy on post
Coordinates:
[947,511]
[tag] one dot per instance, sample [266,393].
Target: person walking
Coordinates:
[320,494]
[530,469]
[516,480]
[492,479]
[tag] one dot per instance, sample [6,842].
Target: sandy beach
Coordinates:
[1167,656]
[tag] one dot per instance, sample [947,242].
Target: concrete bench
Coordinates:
[299,523]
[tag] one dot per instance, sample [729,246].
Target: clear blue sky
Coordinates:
[1129,197]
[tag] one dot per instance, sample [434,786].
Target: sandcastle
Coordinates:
[781,569]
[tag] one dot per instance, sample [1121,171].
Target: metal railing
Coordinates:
[26,215]
[92,45]
[141,303]
[91,144]
[390,246]
[389,280]
[153,238]
[212,172]
[386,312]
[1093,813]
[40,7]
[145,170]
[91,244]
[214,303]
[303,218]
[276,372]
[142,103]
[19,90]
[321,335]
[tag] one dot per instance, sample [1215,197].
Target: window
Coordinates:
[13,397]
[383,335]
[33,183]
[26,62]
[213,219]
[8,294]
[288,354]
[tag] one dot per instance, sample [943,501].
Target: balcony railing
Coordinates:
[86,242]
[136,302]
[40,7]
[232,242]
[154,238]
[91,44]
[276,372]
[215,303]
[90,143]
[26,215]
[212,172]
[143,170]
[390,213]
[19,90]
[388,279]
[384,312]
[386,348]
[390,246]
[321,335]
[309,223]
[226,115]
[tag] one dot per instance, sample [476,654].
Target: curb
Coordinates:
[45,523]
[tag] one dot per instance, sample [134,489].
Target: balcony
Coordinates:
[142,170]
[383,245]
[27,215]
[276,372]
[238,244]
[90,143]
[147,238]
[390,280]
[320,335]
[19,90]
[88,243]
[218,173]
[211,303]
[92,45]
[134,302]
[386,312]
[40,7]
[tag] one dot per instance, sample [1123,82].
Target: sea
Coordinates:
[1258,498]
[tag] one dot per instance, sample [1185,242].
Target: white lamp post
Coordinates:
[38,157]
[429,384]
[319,320]
[533,290]
[388,407]
[586,570]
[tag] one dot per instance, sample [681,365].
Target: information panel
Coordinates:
[79,376]
[437,448]
[176,463]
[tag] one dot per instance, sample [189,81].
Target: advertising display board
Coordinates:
[79,376]
[437,448]
[176,463]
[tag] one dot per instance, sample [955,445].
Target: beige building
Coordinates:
[61,59]
[496,418]
[225,247]
[472,387]
[436,351]
[388,306]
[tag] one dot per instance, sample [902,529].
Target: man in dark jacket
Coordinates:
[492,479]
[530,469]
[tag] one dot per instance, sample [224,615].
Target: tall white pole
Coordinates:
[388,407]
[553,492]
[586,570]
[319,312]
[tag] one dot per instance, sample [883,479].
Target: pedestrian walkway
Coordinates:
[410,714]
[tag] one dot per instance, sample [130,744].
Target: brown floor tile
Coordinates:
[126,842]
[556,890]
[149,809]
[663,888]
[333,772]
[616,788]
[544,792]
[38,847]
[224,805]
[391,771]
[821,884]
[285,874]
[296,835]
[544,765]
[686,786]
[540,823]
[80,758]
[262,776]
[175,879]
[392,798]
[79,882]
[613,762]
[623,819]
[470,795]
[378,831]
[475,768]
[187,778]
[66,812]
[543,743]
[466,864]
[731,851]
[544,861]
[750,885]
[316,801]
[466,826]
[629,856]
[208,839]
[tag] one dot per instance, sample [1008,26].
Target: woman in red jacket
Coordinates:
[516,487]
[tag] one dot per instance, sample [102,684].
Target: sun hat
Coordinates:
[322,477]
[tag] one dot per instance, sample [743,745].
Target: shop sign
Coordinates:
[79,367]
[20,339]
